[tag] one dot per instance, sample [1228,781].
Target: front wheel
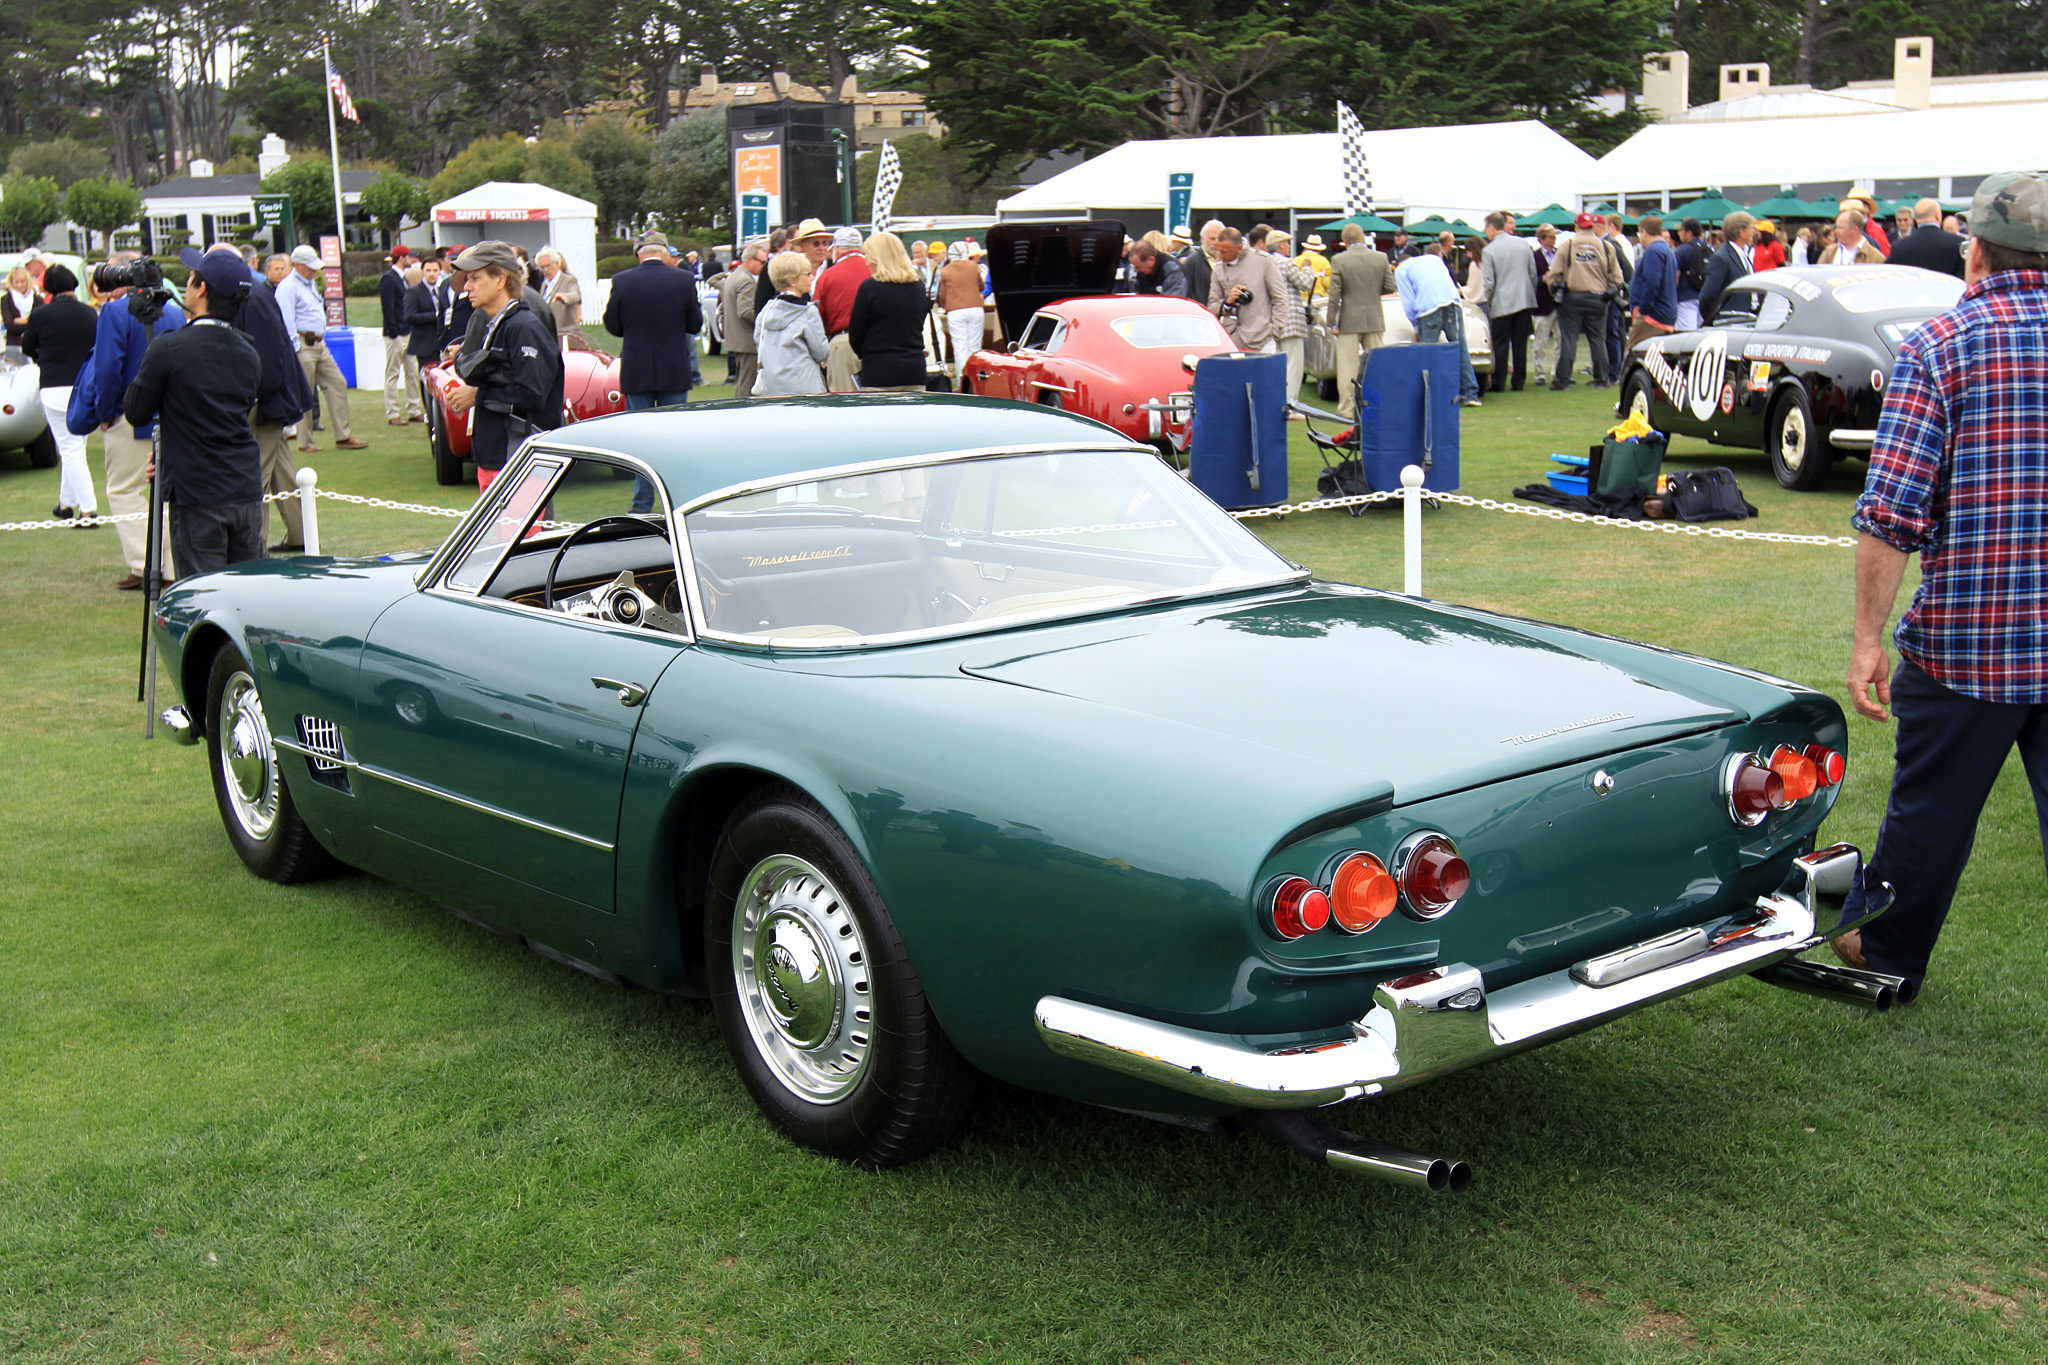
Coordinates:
[42,451]
[447,464]
[256,807]
[820,1008]
[1635,397]
[1799,453]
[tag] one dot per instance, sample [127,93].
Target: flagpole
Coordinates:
[333,145]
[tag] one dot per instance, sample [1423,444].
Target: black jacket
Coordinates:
[1723,269]
[522,388]
[886,328]
[1196,266]
[654,310]
[59,338]
[202,379]
[282,395]
[391,293]
[423,316]
[459,314]
[1930,247]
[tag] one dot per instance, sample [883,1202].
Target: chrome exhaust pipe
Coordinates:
[1872,990]
[1355,1155]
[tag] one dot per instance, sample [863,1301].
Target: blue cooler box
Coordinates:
[1408,414]
[1237,445]
[341,345]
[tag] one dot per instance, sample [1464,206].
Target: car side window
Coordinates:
[1775,311]
[1044,334]
[508,517]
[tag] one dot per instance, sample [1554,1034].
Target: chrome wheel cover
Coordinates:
[800,966]
[1792,437]
[248,765]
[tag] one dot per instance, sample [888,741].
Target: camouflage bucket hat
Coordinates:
[2011,209]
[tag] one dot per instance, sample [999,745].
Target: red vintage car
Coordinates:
[590,388]
[1124,359]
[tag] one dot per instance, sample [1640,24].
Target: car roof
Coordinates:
[698,448]
[1123,306]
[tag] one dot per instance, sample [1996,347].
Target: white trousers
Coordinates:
[964,326]
[1543,347]
[74,478]
[1296,351]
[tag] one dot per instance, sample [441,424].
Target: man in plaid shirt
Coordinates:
[1959,473]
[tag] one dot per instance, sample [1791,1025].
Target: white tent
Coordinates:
[1463,171]
[532,216]
[1943,151]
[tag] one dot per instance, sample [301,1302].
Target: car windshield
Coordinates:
[965,545]
[1894,293]
[1148,331]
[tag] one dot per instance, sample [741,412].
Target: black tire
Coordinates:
[1326,388]
[1635,390]
[877,1091]
[447,465]
[42,451]
[1799,451]
[1048,399]
[256,806]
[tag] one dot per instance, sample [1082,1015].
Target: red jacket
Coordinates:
[1769,255]
[835,288]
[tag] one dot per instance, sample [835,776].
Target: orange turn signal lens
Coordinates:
[1800,774]
[1362,893]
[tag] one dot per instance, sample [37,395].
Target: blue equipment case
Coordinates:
[1237,445]
[1408,414]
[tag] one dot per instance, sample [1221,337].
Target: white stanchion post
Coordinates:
[1411,530]
[309,509]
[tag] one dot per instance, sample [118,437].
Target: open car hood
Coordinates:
[1428,700]
[1035,264]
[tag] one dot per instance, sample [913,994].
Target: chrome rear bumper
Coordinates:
[1443,1019]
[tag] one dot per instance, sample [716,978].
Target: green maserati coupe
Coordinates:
[934,737]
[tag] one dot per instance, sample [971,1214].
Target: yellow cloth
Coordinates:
[1635,428]
[1317,262]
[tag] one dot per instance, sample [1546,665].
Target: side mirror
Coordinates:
[1189,361]
[1012,347]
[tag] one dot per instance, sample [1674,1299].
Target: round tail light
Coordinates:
[1801,776]
[1754,791]
[1431,875]
[1362,893]
[1828,764]
[1297,906]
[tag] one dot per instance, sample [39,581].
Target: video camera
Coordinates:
[143,278]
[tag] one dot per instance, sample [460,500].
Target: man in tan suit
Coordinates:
[1244,293]
[1359,276]
[563,293]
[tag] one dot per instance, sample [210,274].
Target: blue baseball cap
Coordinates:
[225,273]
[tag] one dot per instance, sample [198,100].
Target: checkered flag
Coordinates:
[888,176]
[1357,178]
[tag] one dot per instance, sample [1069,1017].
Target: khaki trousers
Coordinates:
[323,374]
[280,475]
[1351,349]
[746,368]
[1296,351]
[401,381]
[840,363]
[128,494]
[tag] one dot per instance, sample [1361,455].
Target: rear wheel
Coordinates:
[1326,389]
[1799,453]
[447,464]
[821,1010]
[255,805]
[42,451]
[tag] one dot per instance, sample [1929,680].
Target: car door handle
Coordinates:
[981,375]
[630,694]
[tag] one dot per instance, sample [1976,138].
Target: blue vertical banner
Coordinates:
[1180,201]
[753,217]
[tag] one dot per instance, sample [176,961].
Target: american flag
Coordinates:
[1357,179]
[888,177]
[340,89]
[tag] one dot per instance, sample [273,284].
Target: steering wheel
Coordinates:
[554,565]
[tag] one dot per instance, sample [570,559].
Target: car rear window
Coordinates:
[1894,293]
[1149,331]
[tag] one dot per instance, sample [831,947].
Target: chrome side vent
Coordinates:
[324,752]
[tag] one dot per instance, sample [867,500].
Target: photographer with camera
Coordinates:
[513,375]
[202,381]
[1244,293]
[119,339]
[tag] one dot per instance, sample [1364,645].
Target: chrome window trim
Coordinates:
[435,577]
[543,827]
[465,529]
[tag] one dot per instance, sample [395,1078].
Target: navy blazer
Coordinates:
[282,395]
[1931,247]
[423,316]
[391,293]
[654,310]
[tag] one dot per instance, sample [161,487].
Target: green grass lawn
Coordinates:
[246,1122]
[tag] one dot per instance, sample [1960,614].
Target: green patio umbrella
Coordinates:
[1557,216]
[1627,219]
[1708,208]
[1369,222]
[1435,224]
[1782,207]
